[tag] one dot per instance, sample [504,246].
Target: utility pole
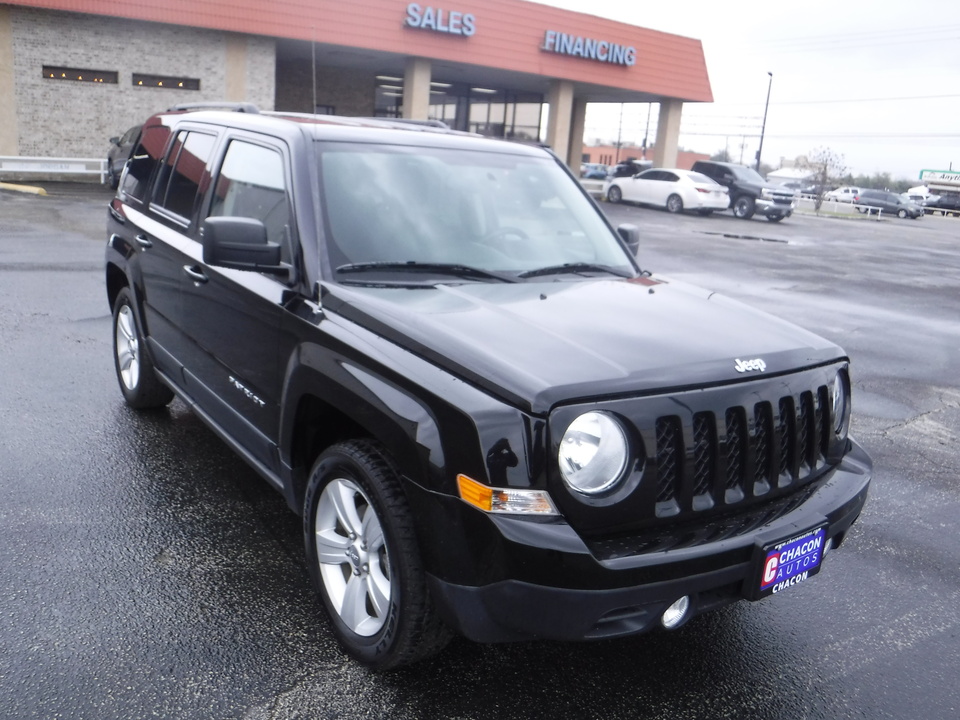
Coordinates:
[619,131]
[763,128]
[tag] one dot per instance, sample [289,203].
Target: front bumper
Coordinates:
[555,588]
[769,208]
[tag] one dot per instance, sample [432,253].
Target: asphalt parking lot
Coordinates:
[147,572]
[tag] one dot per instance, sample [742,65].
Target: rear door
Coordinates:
[667,184]
[157,223]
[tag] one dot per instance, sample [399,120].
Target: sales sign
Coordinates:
[451,22]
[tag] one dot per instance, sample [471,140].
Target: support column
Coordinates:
[236,70]
[416,89]
[560,119]
[9,135]
[668,134]
[575,155]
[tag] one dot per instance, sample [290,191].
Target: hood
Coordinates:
[537,345]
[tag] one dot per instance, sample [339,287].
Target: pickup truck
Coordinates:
[749,192]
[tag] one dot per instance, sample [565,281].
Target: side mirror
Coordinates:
[240,243]
[630,234]
[115,141]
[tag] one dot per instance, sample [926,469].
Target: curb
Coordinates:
[23,188]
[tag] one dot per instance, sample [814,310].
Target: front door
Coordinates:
[233,318]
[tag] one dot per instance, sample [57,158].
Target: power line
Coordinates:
[835,101]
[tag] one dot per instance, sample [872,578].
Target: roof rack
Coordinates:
[439,124]
[243,107]
[354,120]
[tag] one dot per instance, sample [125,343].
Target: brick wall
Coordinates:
[59,118]
[349,92]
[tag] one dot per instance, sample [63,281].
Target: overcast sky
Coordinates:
[876,81]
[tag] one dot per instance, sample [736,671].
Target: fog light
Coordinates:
[674,615]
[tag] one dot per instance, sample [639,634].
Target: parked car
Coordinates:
[594,171]
[946,204]
[627,168]
[847,193]
[492,421]
[120,148]
[802,188]
[670,188]
[923,200]
[884,201]
[749,192]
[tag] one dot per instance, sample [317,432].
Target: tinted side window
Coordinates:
[711,171]
[183,172]
[145,158]
[668,176]
[252,184]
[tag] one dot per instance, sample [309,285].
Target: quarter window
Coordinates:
[144,159]
[184,171]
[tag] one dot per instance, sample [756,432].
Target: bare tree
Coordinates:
[827,166]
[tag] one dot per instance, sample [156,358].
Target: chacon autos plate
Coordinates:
[782,564]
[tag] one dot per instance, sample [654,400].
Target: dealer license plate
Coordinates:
[789,562]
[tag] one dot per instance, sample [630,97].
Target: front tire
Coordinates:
[775,218]
[902,214]
[614,194]
[744,207]
[139,383]
[674,204]
[364,560]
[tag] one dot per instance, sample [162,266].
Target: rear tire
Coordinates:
[364,560]
[614,194]
[139,383]
[674,204]
[902,214]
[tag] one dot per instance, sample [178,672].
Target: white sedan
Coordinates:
[670,188]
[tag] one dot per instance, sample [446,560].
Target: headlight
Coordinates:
[593,453]
[766,194]
[840,412]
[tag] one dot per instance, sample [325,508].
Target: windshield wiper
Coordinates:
[577,267]
[455,269]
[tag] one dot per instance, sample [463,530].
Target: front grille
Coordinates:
[710,461]
[741,453]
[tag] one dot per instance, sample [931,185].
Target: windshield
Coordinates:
[398,211]
[747,174]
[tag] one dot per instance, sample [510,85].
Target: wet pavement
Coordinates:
[147,572]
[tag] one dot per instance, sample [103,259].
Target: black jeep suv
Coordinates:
[749,192]
[491,420]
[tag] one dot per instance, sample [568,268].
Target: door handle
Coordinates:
[143,241]
[195,273]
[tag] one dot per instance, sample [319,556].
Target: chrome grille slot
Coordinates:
[704,452]
[763,448]
[669,458]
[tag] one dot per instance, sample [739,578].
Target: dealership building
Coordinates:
[76,72]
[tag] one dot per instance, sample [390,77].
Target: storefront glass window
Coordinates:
[488,111]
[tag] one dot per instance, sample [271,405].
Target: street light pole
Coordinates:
[763,128]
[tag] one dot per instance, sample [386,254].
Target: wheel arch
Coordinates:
[349,402]
[116,280]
